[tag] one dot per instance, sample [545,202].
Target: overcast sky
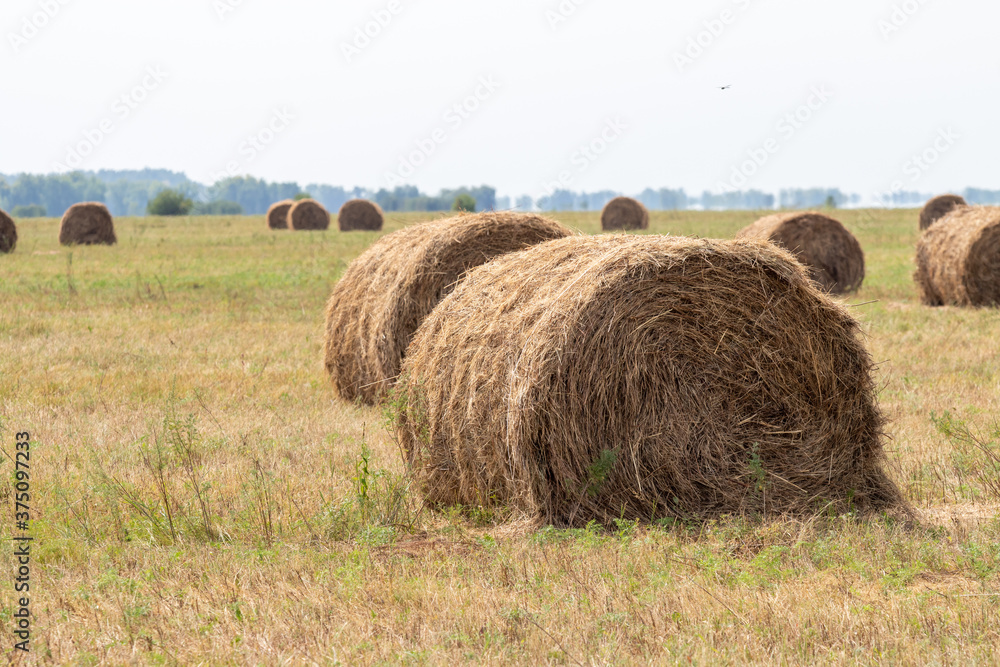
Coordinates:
[184,84]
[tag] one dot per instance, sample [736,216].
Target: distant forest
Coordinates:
[129,192]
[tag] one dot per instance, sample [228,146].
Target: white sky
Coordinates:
[558,88]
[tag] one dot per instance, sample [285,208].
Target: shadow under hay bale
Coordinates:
[598,378]
[958,259]
[937,208]
[831,254]
[8,233]
[308,215]
[360,215]
[277,215]
[624,213]
[88,223]
[387,291]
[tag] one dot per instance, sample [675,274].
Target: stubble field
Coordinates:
[199,496]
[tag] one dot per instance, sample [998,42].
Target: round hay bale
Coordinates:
[958,259]
[624,213]
[937,208]
[277,215]
[387,291]
[89,223]
[8,233]
[308,215]
[597,378]
[831,254]
[360,215]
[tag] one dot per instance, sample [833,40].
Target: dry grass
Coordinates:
[186,363]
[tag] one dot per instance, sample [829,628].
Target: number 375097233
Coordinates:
[22,468]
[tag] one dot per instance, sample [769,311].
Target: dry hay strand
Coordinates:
[937,208]
[388,291]
[831,254]
[277,215]
[958,259]
[8,233]
[624,213]
[360,215]
[639,378]
[88,223]
[308,215]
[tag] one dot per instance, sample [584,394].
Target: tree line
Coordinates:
[129,193]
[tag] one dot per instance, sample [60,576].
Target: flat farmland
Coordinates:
[200,496]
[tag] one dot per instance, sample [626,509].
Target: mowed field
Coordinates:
[199,496]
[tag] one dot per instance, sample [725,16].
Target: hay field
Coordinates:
[199,497]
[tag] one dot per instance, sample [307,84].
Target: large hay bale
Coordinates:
[277,214]
[624,213]
[308,215]
[387,292]
[597,378]
[360,215]
[831,254]
[958,259]
[8,233]
[937,208]
[88,223]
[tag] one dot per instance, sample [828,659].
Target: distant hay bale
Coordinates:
[8,233]
[89,223]
[360,215]
[958,259]
[598,378]
[308,215]
[831,254]
[387,292]
[277,215]
[937,208]
[624,213]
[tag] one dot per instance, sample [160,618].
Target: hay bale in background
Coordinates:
[937,208]
[958,259]
[360,215]
[277,215]
[88,223]
[831,254]
[597,378]
[8,233]
[308,215]
[624,213]
[387,292]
